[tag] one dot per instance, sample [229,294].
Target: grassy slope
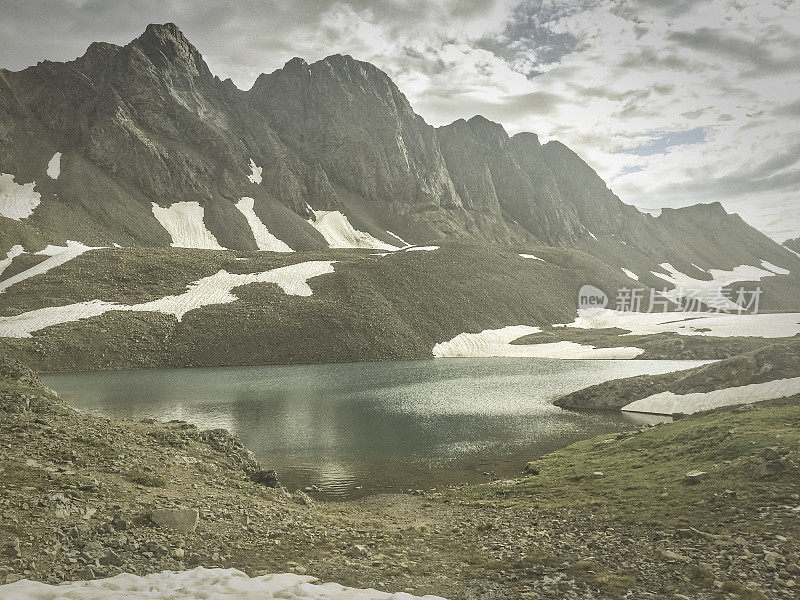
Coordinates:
[775,361]
[371,308]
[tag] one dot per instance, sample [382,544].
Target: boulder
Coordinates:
[695,477]
[183,520]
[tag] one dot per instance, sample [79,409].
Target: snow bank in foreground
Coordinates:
[184,223]
[691,323]
[264,239]
[667,403]
[10,256]
[54,166]
[17,201]
[215,289]
[531,256]
[209,584]
[497,343]
[630,274]
[339,233]
[255,173]
[58,256]
[709,292]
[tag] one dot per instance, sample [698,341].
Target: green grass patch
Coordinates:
[146,478]
[644,473]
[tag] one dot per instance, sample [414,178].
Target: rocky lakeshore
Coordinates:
[773,362]
[85,497]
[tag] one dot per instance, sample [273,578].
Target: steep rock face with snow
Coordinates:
[141,145]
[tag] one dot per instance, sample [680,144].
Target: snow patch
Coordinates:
[422,248]
[214,289]
[699,268]
[255,173]
[497,343]
[398,238]
[594,237]
[339,233]
[264,239]
[630,274]
[58,256]
[209,584]
[667,403]
[54,166]
[184,223]
[774,268]
[709,292]
[776,325]
[531,256]
[792,251]
[17,201]
[10,256]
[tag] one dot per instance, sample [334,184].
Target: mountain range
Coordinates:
[141,146]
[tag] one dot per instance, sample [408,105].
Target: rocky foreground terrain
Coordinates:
[85,497]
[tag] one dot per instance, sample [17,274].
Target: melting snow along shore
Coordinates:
[497,343]
[667,403]
[210,584]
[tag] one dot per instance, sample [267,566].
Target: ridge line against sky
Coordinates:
[673,103]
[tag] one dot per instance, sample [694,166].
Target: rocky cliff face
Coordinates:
[148,124]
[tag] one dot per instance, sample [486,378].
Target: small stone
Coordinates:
[119,522]
[598,475]
[694,477]
[178,553]
[183,520]
[357,551]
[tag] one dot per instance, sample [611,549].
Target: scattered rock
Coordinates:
[183,520]
[695,477]
[357,551]
[266,477]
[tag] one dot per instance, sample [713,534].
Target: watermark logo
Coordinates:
[682,299]
[592,297]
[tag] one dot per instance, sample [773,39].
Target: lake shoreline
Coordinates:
[512,538]
[347,430]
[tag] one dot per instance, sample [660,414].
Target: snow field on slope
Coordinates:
[264,239]
[710,292]
[17,201]
[54,166]
[766,325]
[339,233]
[58,256]
[214,289]
[184,223]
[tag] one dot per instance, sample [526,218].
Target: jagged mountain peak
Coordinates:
[166,46]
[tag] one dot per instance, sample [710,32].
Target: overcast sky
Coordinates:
[674,102]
